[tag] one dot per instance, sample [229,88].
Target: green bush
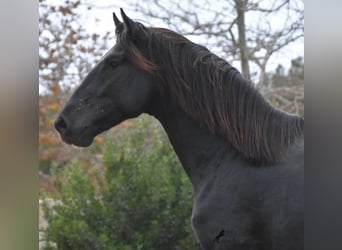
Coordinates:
[143,200]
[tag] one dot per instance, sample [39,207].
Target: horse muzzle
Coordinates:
[72,136]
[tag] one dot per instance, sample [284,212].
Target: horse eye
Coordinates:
[114,63]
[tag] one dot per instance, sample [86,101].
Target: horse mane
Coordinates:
[214,93]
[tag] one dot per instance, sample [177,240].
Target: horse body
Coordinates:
[236,205]
[243,157]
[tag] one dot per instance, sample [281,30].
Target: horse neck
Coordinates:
[199,151]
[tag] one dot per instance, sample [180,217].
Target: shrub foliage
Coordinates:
[141,200]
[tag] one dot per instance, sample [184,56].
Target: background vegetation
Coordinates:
[140,200]
[128,191]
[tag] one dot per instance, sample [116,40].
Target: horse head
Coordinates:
[116,89]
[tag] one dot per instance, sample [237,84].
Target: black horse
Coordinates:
[243,156]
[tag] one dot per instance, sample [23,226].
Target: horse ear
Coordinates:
[128,23]
[116,20]
[118,24]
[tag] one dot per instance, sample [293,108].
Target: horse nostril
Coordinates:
[60,124]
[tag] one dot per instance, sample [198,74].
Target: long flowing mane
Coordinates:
[214,93]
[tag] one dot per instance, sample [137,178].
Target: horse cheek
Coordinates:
[136,98]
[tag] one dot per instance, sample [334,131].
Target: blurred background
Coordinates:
[128,190]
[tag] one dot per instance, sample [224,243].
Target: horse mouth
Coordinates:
[81,141]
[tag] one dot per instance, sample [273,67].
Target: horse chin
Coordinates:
[80,142]
[83,144]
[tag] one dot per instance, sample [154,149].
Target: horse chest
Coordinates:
[219,221]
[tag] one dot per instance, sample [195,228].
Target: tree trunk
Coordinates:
[240,6]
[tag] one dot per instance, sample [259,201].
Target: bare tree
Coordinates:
[266,40]
[240,6]
[242,30]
